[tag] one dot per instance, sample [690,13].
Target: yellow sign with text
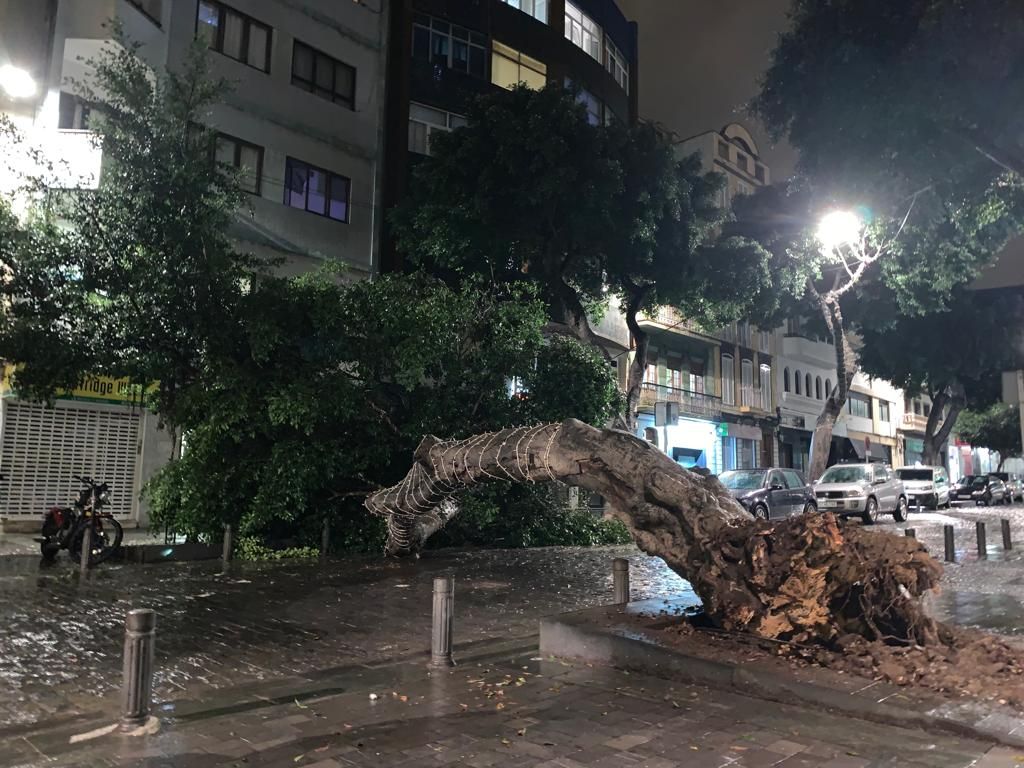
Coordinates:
[96,389]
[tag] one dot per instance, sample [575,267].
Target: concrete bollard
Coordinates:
[137,683]
[910,533]
[86,554]
[444,611]
[947,531]
[620,580]
[1007,543]
[982,547]
[225,554]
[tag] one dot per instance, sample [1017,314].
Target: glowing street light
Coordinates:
[17,82]
[839,228]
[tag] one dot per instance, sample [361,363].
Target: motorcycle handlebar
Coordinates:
[84,480]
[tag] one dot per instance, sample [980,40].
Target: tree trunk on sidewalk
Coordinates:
[638,365]
[846,368]
[935,434]
[803,578]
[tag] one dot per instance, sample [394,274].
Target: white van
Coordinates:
[928,486]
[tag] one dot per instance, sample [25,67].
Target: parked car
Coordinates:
[1014,485]
[988,490]
[867,491]
[961,489]
[925,485]
[770,493]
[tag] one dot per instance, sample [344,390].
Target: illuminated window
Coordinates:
[234,34]
[424,121]
[616,64]
[582,30]
[509,67]
[448,45]
[536,8]
[316,190]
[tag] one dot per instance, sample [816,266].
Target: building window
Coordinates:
[582,30]
[807,382]
[759,173]
[766,388]
[723,150]
[73,113]
[917,407]
[595,108]
[741,161]
[323,75]
[828,388]
[859,405]
[448,45]
[536,8]
[817,388]
[785,379]
[742,188]
[150,8]
[926,409]
[883,410]
[616,64]
[425,121]
[796,382]
[728,380]
[747,383]
[316,190]
[234,34]
[509,67]
[246,157]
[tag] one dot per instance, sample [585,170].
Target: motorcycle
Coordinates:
[64,527]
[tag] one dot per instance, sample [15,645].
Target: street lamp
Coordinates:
[17,82]
[839,228]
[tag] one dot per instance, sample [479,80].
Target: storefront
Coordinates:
[97,430]
[913,450]
[794,442]
[690,442]
[742,447]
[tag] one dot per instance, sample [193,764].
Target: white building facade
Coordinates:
[303,122]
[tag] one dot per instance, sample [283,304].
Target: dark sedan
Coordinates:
[961,489]
[770,493]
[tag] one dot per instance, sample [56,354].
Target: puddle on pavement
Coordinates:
[996,613]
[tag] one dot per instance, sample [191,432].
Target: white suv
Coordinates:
[865,490]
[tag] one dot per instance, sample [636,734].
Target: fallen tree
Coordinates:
[801,579]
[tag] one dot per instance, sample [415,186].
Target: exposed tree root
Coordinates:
[801,579]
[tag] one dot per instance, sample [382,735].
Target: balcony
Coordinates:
[914,422]
[670,318]
[690,403]
[753,399]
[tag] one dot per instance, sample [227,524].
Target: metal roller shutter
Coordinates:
[41,448]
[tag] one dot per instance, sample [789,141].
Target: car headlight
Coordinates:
[928,487]
[852,494]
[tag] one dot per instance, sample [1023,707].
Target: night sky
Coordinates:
[700,62]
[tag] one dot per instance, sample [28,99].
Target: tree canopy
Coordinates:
[996,428]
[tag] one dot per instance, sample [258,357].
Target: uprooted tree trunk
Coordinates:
[803,578]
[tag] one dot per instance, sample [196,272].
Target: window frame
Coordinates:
[533,13]
[239,143]
[248,22]
[728,382]
[330,176]
[856,397]
[797,382]
[785,379]
[426,22]
[817,388]
[314,88]
[448,127]
[503,50]
[765,373]
[615,62]
[571,21]
[138,4]
[884,410]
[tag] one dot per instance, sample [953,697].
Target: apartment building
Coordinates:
[303,121]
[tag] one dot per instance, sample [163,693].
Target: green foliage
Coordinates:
[251,548]
[504,515]
[569,378]
[996,428]
[530,191]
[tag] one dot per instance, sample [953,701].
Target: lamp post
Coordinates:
[839,228]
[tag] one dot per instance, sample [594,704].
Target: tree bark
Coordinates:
[638,365]
[846,369]
[935,434]
[803,578]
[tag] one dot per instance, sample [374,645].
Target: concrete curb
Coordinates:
[578,636]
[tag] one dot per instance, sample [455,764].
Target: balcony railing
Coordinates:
[669,317]
[690,403]
[915,422]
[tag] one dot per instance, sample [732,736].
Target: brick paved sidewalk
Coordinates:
[514,713]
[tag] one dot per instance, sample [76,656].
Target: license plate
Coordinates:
[828,504]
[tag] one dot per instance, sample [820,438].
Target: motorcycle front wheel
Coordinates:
[106,538]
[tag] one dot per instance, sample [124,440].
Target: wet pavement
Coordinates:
[60,640]
[514,712]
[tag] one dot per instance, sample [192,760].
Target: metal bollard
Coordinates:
[225,555]
[444,611]
[86,554]
[947,531]
[1007,544]
[982,548]
[910,533]
[325,538]
[620,580]
[137,684]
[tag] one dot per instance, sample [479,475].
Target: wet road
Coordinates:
[60,641]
